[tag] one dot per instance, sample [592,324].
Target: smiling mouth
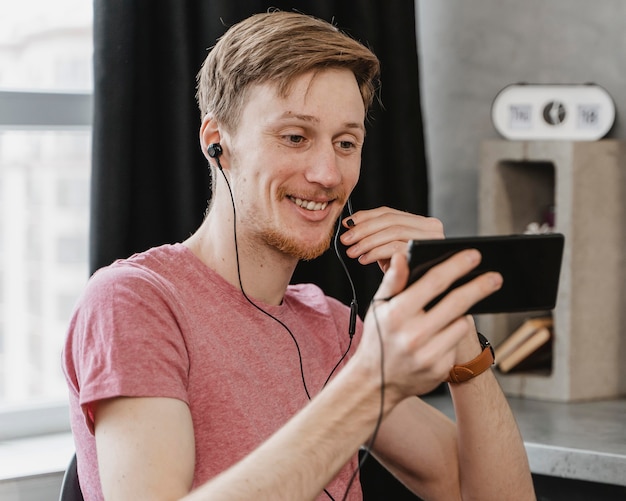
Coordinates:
[309,204]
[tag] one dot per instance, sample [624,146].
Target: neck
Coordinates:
[263,272]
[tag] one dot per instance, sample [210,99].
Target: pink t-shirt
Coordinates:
[162,324]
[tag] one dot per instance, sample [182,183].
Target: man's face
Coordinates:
[295,160]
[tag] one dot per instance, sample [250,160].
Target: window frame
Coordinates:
[41,110]
[45,110]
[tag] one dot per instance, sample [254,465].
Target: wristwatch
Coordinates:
[465,372]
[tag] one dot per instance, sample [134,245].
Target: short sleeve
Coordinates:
[125,339]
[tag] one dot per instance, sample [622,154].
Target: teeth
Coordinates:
[309,204]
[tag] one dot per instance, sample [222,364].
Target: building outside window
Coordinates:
[45,156]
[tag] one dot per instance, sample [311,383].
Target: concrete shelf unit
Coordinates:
[584,183]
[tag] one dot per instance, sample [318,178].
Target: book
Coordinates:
[520,335]
[526,351]
[540,361]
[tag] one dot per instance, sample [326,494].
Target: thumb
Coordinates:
[395,278]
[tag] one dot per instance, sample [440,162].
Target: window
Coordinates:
[45,155]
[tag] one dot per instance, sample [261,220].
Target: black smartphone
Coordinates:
[529,264]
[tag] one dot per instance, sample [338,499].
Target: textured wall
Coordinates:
[470,50]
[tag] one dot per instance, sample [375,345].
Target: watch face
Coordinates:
[484,342]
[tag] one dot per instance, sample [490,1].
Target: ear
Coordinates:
[209,133]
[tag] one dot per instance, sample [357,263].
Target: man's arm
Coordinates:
[492,458]
[482,456]
[145,448]
[418,445]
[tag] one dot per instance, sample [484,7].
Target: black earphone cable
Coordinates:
[354,305]
[243,292]
[306,390]
[351,328]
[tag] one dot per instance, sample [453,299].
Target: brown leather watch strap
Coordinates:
[476,366]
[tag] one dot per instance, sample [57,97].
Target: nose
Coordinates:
[323,168]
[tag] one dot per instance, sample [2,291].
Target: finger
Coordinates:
[455,304]
[365,215]
[397,226]
[462,298]
[439,279]
[394,279]
[382,252]
[384,244]
[374,220]
[385,233]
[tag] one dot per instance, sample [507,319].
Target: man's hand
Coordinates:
[421,346]
[376,234]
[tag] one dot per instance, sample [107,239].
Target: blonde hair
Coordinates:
[277,47]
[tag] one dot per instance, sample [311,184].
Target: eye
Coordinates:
[347,145]
[295,138]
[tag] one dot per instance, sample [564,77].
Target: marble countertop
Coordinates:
[583,441]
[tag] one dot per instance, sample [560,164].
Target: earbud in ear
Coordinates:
[214,150]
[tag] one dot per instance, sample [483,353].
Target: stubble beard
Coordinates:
[294,248]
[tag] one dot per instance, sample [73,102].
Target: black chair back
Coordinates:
[70,488]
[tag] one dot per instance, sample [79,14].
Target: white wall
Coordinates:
[471,49]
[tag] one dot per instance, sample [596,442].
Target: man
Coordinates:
[197,372]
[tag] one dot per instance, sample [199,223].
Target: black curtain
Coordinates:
[150,180]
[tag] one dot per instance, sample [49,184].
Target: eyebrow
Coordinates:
[313,119]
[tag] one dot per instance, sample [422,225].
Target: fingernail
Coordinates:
[347,238]
[497,280]
[350,223]
[473,256]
